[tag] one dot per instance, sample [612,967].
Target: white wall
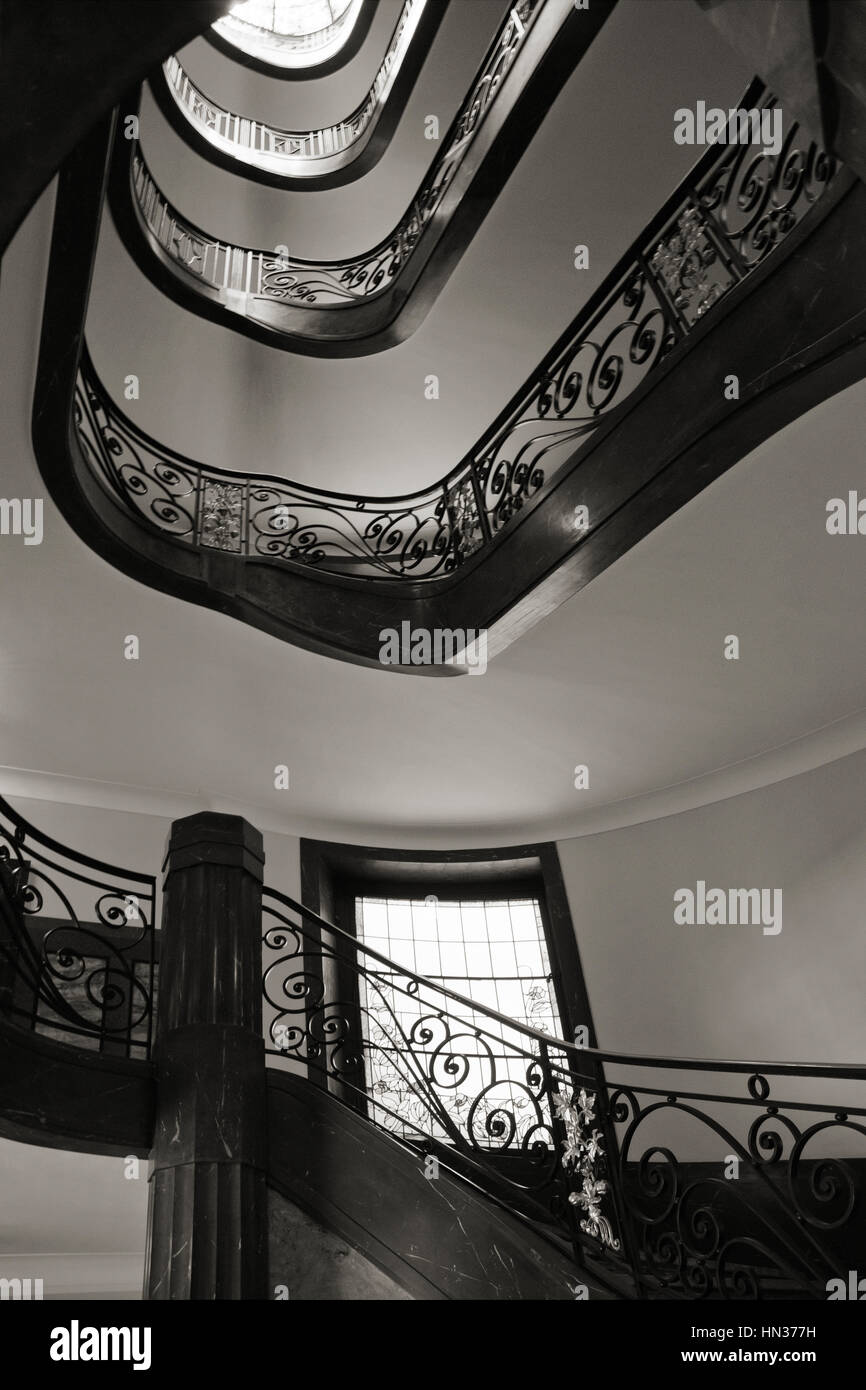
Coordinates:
[732,992]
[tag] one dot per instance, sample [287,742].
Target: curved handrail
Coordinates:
[533,1119]
[415,535]
[283,50]
[498,1097]
[577,1054]
[321,158]
[740,266]
[365,303]
[724,220]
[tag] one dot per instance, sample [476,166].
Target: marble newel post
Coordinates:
[208,1216]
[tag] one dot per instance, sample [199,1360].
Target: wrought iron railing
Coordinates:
[289,154]
[418,536]
[567,1136]
[259,35]
[726,219]
[773,1204]
[240,277]
[670,1177]
[77,944]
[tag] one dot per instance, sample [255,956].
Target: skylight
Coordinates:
[290,33]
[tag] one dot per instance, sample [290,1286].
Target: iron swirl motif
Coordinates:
[485,89]
[83,973]
[412,539]
[627,337]
[426,1072]
[155,486]
[297,284]
[418,537]
[305,1026]
[824,1194]
[373,273]
[631,331]
[329,284]
[119,998]
[726,219]
[287,990]
[704,1234]
[303,282]
[757,199]
[67,949]
[509,482]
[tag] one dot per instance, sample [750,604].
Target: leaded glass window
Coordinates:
[492,951]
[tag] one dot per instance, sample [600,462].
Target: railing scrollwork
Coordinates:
[562,1136]
[77,958]
[249,282]
[725,220]
[671,1178]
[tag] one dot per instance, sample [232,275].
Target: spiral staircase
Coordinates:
[241,1045]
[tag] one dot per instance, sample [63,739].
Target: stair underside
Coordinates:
[438,1239]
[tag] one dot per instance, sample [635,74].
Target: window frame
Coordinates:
[334,875]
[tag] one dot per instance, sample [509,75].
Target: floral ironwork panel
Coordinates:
[221,519]
[583,1155]
[687,263]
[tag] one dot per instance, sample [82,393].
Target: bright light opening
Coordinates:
[290,33]
[494,953]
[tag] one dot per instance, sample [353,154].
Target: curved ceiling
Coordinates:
[628,677]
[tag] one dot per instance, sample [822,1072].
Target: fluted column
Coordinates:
[207,1214]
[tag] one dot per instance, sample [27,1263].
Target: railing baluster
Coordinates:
[237,135]
[625,1231]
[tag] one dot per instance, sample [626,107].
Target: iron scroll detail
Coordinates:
[591,1143]
[77,945]
[722,224]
